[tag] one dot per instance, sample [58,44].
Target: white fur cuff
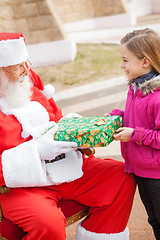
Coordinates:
[83,234]
[22,166]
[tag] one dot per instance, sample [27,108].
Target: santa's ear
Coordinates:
[146,62]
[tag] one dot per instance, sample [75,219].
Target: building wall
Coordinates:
[76,10]
[143,7]
[41,20]
[33,18]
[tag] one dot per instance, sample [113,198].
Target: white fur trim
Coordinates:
[67,169]
[35,121]
[33,117]
[13,51]
[83,234]
[49,91]
[22,166]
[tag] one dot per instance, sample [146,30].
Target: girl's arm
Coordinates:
[146,137]
[117,112]
[149,137]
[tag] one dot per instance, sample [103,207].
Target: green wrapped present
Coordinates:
[88,131]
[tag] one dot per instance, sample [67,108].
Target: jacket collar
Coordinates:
[148,86]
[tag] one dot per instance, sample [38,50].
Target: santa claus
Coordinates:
[38,179]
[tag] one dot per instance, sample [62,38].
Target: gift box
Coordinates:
[88,131]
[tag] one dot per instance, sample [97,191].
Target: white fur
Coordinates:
[20,162]
[49,91]
[33,117]
[83,234]
[22,166]
[16,93]
[13,52]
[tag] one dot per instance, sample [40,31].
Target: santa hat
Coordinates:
[12,49]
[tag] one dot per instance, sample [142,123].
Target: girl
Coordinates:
[140,136]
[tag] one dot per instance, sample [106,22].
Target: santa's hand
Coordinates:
[107,114]
[49,148]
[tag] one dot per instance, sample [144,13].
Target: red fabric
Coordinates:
[36,80]
[11,129]
[70,207]
[10,231]
[104,187]
[8,36]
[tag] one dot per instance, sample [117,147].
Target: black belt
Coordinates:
[59,157]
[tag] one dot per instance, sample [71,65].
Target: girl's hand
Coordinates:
[123,134]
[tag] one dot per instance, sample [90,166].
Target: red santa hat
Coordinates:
[12,49]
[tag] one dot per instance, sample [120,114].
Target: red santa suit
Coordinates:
[37,187]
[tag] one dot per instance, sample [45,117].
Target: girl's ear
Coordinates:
[146,62]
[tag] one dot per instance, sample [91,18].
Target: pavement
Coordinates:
[97,98]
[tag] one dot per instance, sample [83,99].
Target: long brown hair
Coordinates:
[144,43]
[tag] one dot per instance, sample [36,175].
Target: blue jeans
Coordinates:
[149,190]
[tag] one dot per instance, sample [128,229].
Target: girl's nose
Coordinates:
[122,65]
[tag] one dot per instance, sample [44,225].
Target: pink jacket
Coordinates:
[142,112]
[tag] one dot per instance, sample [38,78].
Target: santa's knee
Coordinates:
[47,228]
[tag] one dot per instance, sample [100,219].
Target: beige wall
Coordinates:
[41,20]
[31,17]
[76,10]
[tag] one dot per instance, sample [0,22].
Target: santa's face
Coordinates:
[14,72]
[16,93]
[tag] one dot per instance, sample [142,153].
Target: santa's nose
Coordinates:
[24,70]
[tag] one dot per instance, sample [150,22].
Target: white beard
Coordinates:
[15,94]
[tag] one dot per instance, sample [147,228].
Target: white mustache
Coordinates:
[15,94]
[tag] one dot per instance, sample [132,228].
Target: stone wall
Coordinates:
[76,10]
[34,18]
[41,20]
[108,7]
